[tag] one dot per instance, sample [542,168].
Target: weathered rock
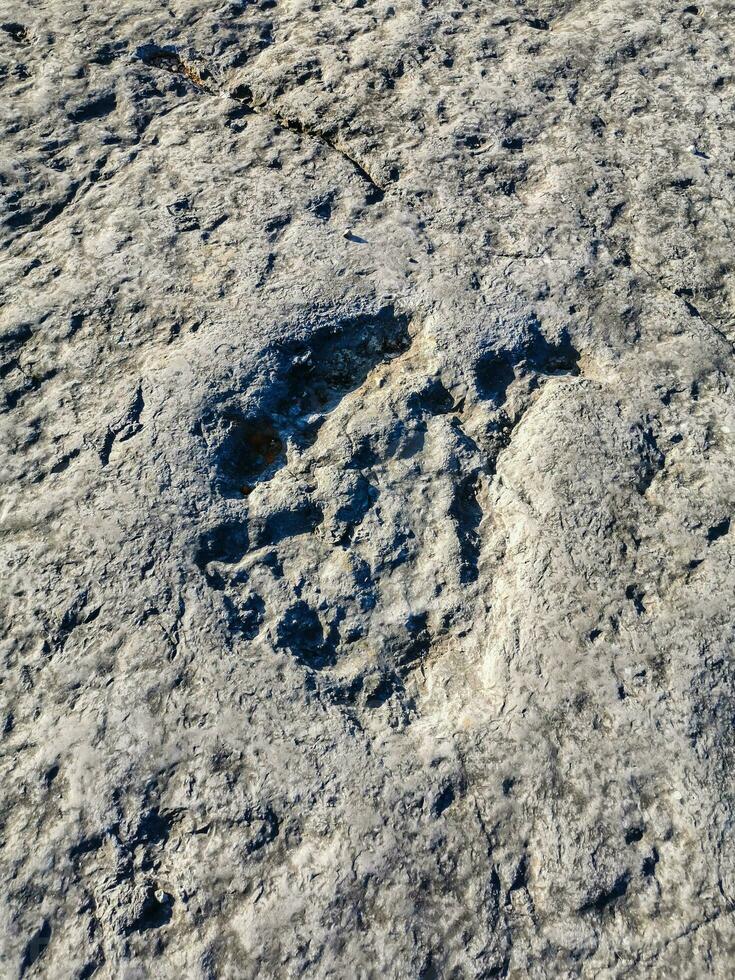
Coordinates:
[367,486]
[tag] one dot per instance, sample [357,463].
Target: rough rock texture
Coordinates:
[368,426]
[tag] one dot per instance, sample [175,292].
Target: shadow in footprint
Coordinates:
[301,633]
[467,514]
[313,377]
[493,375]
[496,371]
[226,543]
[287,524]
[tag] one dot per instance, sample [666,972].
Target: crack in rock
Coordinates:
[169,60]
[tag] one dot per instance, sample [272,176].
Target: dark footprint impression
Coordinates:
[317,374]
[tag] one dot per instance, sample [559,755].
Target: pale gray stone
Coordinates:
[368,425]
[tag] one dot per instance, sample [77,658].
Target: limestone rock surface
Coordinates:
[367,438]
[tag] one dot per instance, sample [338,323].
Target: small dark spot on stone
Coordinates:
[242,93]
[18,32]
[718,530]
[96,108]
[51,774]
[635,595]
[36,947]
[75,322]
[155,913]
[648,868]
[597,124]
[323,208]
[494,373]
[633,835]
[609,896]
[443,801]
[379,693]
[520,878]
